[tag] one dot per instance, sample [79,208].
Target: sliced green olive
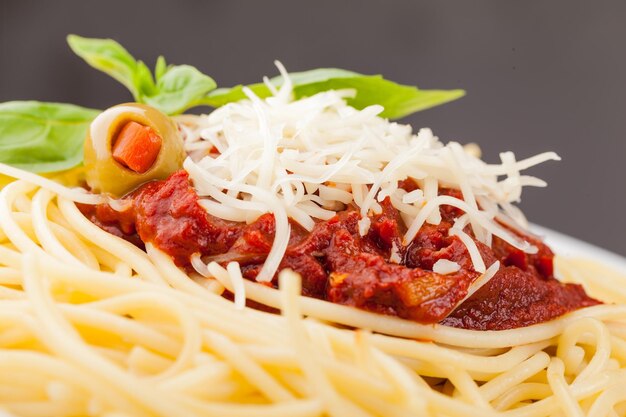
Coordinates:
[109,174]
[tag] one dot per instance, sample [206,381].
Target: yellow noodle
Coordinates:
[94,326]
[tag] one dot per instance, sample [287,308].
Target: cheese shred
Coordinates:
[306,159]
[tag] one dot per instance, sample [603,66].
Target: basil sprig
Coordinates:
[398,100]
[48,137]
[173,88]
[43,137]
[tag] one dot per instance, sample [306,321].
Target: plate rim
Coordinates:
[565,245]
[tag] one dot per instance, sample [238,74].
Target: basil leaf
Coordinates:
[109,57]
[160,67]
[144,83]
[398,100]
[222,96]
[43,137]
[176,89]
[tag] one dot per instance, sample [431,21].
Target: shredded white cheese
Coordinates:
[306,159]
[445,267]
[395,257]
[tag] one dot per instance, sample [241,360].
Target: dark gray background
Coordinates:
[540,75]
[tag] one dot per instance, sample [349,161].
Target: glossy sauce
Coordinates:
[339,265]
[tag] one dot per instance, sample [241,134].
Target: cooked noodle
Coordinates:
[92,325]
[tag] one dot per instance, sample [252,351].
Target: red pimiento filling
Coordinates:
[136,147]
[339,265]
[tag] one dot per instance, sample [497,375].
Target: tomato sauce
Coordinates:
[340,266]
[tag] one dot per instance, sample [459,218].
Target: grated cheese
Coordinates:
[395,257]
[306,159]
[445,266]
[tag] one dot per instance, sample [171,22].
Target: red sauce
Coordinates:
[339,265]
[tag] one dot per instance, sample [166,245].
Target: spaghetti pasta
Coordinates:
[91,325]
[119,307]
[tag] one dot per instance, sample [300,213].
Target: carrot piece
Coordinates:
[137,147]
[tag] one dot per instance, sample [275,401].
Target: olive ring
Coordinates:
[106,175]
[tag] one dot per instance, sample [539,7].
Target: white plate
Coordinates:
[569,246]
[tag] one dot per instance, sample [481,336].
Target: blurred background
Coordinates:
[539,75]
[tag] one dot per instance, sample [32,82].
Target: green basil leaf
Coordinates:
[222,96]
[43,137]
[109,57]
[144,83]
[398,100]
[177,87]
[160,67]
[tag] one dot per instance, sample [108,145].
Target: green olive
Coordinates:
[106,175]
